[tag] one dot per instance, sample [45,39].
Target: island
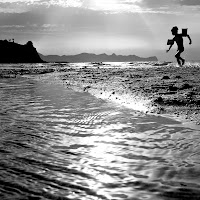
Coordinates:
[11,52]
[90,57]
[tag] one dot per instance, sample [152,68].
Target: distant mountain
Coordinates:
[87,57]
[11,52]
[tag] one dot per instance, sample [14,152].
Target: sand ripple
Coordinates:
[56,143]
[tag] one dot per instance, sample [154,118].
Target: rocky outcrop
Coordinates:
[11,52]
[87,57]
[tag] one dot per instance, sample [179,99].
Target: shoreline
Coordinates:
[150,87]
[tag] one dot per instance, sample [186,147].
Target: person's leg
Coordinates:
[181,51]
[178,57]
[183,61]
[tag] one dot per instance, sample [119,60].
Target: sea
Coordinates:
[61,144]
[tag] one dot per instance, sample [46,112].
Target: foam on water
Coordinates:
[127,100]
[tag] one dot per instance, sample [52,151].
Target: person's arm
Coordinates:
[189,39]
[171,44]
[170,47]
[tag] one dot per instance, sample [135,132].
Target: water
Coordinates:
[56,143]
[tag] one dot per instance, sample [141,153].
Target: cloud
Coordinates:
[176,7]
[189,2]
[19,6]
[111,6]
[168,3]
[140,6]
[69,20]
[116,6]
[14,1]
[53,14]
[11,26]
[106,6]
[62,3]
[12,7]
[53,18]
[16,6]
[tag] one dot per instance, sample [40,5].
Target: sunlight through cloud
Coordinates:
[112,5]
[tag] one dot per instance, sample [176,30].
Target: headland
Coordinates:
[11,52]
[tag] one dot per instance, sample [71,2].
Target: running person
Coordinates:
[178,38]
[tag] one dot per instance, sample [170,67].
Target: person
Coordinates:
[178,38]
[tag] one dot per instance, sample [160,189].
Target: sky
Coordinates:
[125,27]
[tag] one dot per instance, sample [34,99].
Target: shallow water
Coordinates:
[56,143]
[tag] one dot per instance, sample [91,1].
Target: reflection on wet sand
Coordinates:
[59,144]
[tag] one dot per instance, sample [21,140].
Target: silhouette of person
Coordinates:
[178,38]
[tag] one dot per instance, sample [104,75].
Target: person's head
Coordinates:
[174,30]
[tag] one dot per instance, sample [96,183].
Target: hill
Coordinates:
[87,57]
[11,52]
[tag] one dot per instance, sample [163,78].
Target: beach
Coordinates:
[107,131]
[151,87]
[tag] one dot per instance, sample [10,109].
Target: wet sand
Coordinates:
[56,143]
[160,88]
[15,70]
